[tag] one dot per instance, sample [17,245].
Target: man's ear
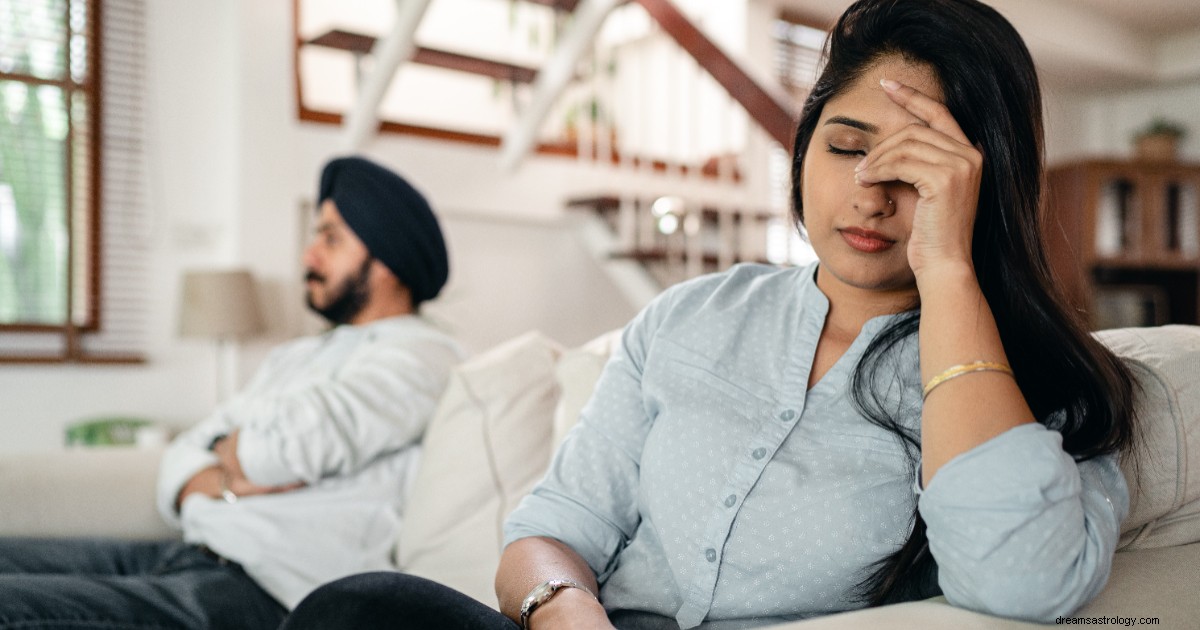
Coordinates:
[380,275]
[382,278]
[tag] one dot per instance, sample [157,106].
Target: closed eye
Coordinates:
[855,152]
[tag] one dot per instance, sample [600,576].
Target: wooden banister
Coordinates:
[768,110]
[561,5]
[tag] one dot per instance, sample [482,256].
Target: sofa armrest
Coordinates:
[1149,583]
[1158,582]
[930,614]
[95,492]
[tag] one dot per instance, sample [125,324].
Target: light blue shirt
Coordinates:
[708,487]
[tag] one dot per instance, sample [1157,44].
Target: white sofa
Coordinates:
[506,409]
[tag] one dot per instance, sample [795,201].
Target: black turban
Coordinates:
[392,219]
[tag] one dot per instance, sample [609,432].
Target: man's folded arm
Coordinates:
[380,403]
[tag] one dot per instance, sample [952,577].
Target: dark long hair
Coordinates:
[1072,383]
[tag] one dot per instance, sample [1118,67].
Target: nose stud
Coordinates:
[891,203]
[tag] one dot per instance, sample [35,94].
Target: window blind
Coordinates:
[798,55]
[92,242]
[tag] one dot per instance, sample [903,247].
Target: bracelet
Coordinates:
[226,493]
[966,368]
[542,594]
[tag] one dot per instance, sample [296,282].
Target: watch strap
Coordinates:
[229,495]
[542,594]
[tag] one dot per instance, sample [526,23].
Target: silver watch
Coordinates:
[542,594]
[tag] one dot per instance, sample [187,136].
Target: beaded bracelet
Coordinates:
[966,368]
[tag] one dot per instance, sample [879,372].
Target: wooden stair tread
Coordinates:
[360,44]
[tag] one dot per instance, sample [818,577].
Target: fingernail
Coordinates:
[889,85]
[861,165]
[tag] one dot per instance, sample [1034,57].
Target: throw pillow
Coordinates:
[488,444]
[577,372]
[1164,484]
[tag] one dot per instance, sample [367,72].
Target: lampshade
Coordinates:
[219,304]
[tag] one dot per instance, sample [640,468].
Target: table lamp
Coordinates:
[221,305]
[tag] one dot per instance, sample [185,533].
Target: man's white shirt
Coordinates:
[342,412]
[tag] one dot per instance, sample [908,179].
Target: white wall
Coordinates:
[1065,124]
[1102,123]
[1112,119]
[229,165]
[525,275]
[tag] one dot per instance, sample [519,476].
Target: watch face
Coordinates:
[543,590]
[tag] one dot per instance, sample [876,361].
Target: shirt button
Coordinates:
[730,500]
[759,453]
[788,415]
[710,554]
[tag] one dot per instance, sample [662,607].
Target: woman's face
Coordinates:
[861,234]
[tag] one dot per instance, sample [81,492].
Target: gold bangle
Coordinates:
[966,368]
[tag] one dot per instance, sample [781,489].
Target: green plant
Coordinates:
[589,109]
[1163,127]
[119,430]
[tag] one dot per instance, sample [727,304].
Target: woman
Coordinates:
[916,413]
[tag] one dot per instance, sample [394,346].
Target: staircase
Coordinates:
[632,88]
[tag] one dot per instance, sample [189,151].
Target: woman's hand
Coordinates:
[939,161]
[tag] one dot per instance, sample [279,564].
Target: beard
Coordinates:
[346,299]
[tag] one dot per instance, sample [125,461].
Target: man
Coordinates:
[301,478]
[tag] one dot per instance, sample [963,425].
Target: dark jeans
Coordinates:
[387,600]
[396,601]
[69,584]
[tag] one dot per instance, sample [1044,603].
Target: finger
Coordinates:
[927,109]
[913,162]
[917,132]
[923,134]
[278,489]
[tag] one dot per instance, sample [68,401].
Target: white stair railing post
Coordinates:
[691,155]
[397,47]
[553,78]
[727,180]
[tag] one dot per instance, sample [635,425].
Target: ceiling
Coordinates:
[1089,45]
[1152,17]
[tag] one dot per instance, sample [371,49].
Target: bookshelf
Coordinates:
[1124,240]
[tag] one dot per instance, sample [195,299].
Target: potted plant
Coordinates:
[1159,140]
[591,115]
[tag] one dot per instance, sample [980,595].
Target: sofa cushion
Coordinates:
[1151,583]
[1164,475]
[103,492]
[489,442]
[577,372]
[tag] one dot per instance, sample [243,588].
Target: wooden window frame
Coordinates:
[91,86]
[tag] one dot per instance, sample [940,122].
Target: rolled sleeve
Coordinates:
[187,455]
[1019,529]
[589,498]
